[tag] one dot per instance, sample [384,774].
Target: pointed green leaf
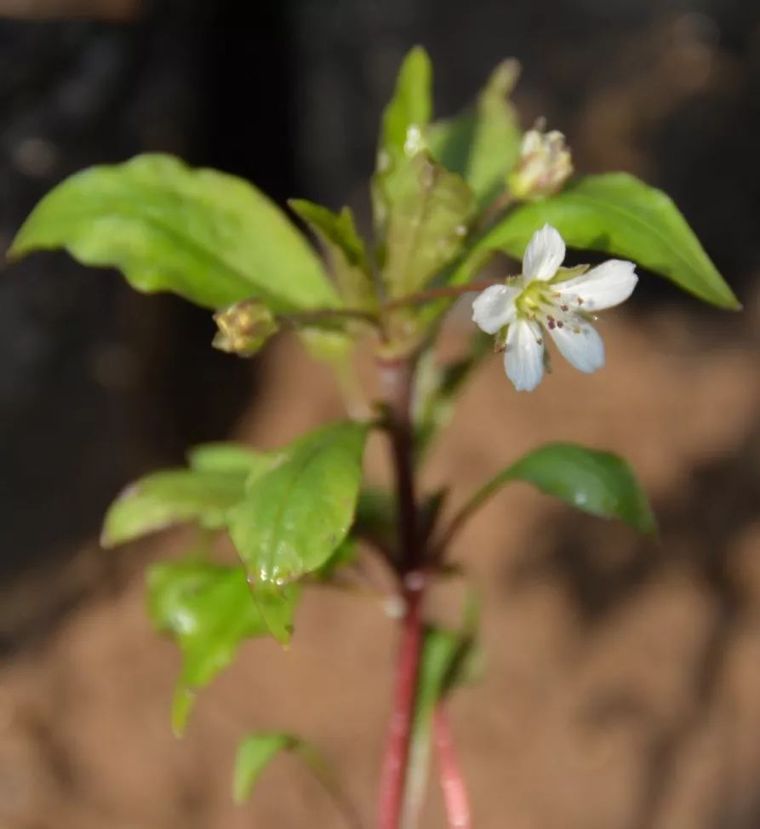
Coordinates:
[232,457]
[254,755]
[596,482]
[410,107]
[210,237]
[427,224]
[620,215]
[293,518]
[173,496]
[209,610]
[482,145]
[344,249]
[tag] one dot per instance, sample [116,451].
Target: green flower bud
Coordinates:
[244,327]
[544,166]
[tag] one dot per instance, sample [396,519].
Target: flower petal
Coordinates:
[524,355]
[580,344]
[494,308]
[544,254]
[602,287]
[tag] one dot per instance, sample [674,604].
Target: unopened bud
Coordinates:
[544,166]
[244,327]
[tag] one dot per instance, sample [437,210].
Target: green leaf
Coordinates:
[402,132]
[596,482]
[482,145]
[210,237]
[617,214]
[344,249]
[437,389]
[209,610]
[426,226]
[254,754]
[232,457]
[410,107]
[293,518]
[172,496]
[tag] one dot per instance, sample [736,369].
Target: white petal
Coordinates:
[602,287]
[579,344]
[544,254]
[524,355]
[494,308]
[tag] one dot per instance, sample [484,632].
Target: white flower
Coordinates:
[546,297]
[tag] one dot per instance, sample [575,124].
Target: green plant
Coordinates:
[448,195]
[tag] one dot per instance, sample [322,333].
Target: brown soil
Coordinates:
[623,677]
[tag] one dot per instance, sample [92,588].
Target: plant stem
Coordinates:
[452,783]
[398,381]
[447,292]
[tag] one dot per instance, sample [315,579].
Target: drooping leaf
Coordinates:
[427,224]
[599,483]
[482,144]
[173,496]
[293,518]
[345,251]
[210,237]
[255,753]
[210,610]
[617,214]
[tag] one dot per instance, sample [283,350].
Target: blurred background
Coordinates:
[623,680]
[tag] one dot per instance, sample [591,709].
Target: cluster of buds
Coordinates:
[544,166]
[244,327]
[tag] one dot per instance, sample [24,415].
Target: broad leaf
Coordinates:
[210,237]
[597,482]
[173,496]
[209,610]
[293,518]
[616,214]
[344,248]
[427,224]
[482,144]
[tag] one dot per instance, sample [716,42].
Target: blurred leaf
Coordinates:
[427,224]
[210,237]
[617,214]
[375,518]
[482,145]
[344,248]
[209,610]
[444,665]
[172,496]
[438,387]
[596,482]
[232,457]
[402,131]
[254,755]
[293,518]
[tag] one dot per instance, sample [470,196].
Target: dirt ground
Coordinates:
[622,688]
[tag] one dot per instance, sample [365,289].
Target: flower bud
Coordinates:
[244,327]
[544,166]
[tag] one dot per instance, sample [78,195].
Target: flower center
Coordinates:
[534,300]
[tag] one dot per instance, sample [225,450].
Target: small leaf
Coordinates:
[253,756]
[402,132]
[293,518]
[174,496]
[482,145]
[596,482]
[232,457]
[209,610]
[617,214]
[345,251]
[210,237]
[426,226]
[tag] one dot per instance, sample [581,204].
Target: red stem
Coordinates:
[395,760]
[452,782]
